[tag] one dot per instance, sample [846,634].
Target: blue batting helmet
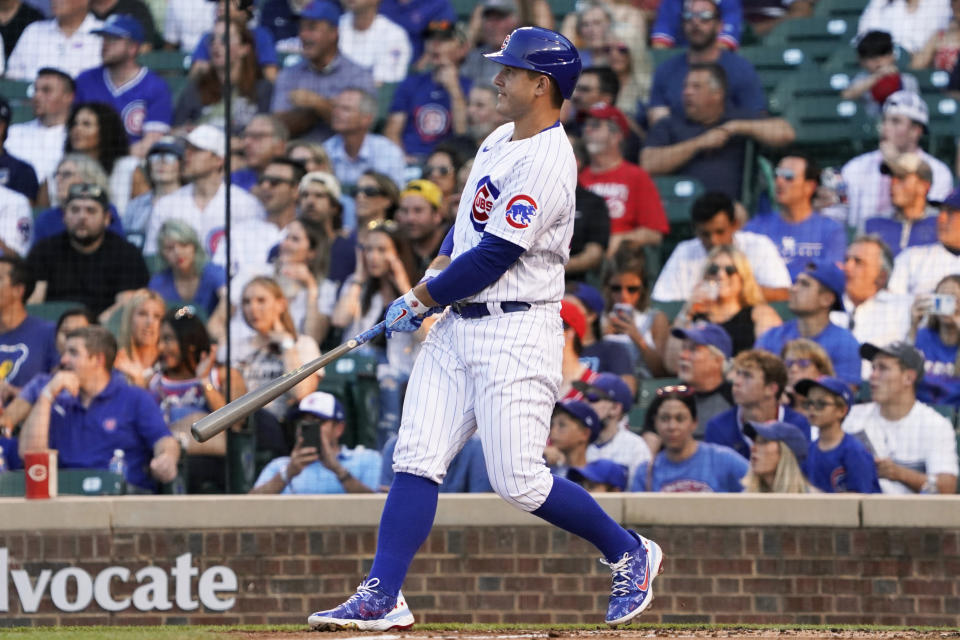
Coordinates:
[543,51]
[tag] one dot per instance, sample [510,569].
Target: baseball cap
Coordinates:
[208,138]
[440,29]
[328,180]
[584,413]
[830,276]
[323,405]
[5,113]
[322,10]
[606,386]
[589,296]
[88,191]
[786,433]
[709,334]
[121,25]
[952,201]
[905,164]
[167,144]
[572,315]
[835,386]
[909,104]
[425,189]
[505,7]
[909,356]
[604,111]
[601,471]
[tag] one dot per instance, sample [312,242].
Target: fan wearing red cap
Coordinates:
[636,213]
[572,369]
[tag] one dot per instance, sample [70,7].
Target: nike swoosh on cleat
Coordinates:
[646,580]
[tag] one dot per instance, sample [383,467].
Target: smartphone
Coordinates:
[623,310]
[310,433]
[943,304]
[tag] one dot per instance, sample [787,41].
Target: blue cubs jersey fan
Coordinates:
[427,107]
[712,469]
[27,350]
[848,467]
[144,102]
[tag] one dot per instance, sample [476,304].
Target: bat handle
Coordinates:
[370,333]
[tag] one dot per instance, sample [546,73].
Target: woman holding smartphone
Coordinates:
[935,331]
[631,321]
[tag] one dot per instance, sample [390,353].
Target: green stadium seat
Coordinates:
[843,59]
[670,308]
[646,392]
[15,89]
[931,81]
[79,482]
[155,263]
[807,84]
[353,379]
[944,126]
[775,62]
[22,113]
[384,98]
[831,130]
[561,8]
[783,310]
[948,411]
[51,311]
[677,194]
[166,62]
[818,36]
[847,9]
[463,9]
[241,458]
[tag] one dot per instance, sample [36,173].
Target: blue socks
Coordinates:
[570,507]
[404,526]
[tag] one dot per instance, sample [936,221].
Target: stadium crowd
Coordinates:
[738,317]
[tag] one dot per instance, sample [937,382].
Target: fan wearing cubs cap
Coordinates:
[777,454]
[913,446]
[612,399]
[837,462]
[493,363]
[817,290]
[573,427]
[903,123]
[637,217]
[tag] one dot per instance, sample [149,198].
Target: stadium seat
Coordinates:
[783,310]
[166,62]
[807,84]
[677,194]
[774,62]
[843,59]
[846,9]
[15,89]
[241,458]
[561,8]
[944,126]
[22,113]
[818,36]
[831,130]
[80,482]
[51,311]
[353,379]
[384,97]
[646,392]
[670,309]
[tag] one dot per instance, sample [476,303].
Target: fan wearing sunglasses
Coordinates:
[803,358]
[727,295]
[441,169]
[800,233]
[685,465]
[630,320]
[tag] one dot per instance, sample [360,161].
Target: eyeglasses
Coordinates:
[714,269]
[64,174]
[431,169]
[786,174]
[681,390]
[86,190]
[703,16]
[187,311]
[803,363]
[164,158]
[818,405]
[387,225]
[618,288]
[370,192]
[274,181]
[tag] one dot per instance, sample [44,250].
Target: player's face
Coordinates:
[169,347]
[675,425]
[85,220]
[295,246]
[791,188]
[440,171]
[748,386]
[863,266]
[806,295]
[261,309]
[764,456]
[948,227]
[145,323]
[900,131]
[179,255]
[318,38]
[69,324]
[50,96]
[260,143]
[566,433]
[315,202]
[823,409]
[378,254]
[715,232]
[888,379]
[417,217]
[276,188]
[515,91]
[85,132]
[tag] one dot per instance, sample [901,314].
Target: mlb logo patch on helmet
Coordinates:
[520,211]
[483,202]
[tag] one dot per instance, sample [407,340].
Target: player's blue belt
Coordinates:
[472,310]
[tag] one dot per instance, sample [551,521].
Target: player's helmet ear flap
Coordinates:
[543,51]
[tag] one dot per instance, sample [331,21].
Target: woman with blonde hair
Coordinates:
[312,154]
[727,295]
[189,276]
[138,338]
[776,456]
[804,358]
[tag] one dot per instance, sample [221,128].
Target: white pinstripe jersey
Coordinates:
[523,192]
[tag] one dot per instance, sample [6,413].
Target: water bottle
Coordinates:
[3,461]
[118,465]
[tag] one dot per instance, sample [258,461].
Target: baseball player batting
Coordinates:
[491,363]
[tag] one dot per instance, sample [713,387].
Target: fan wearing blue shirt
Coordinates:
[759,378]
[27,344]
[800,233]
[86,412]
[683,464]
[914,220]
[837,462]
[816,291]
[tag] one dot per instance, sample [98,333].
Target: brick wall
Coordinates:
[524,574]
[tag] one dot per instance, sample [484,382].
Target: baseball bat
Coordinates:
[237,410]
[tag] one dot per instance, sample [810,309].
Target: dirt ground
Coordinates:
[609,634]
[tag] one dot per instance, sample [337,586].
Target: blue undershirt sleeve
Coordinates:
[474,270]
[446,247]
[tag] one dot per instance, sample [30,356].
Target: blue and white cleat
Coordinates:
[369,609]
[633,576]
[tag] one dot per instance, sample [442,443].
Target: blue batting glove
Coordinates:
[405,314]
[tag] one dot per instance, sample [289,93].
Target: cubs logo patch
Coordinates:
[506,41]
[110,424]
[483,202]
[133,117]
[520,211]
[214,238]
[432,121]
